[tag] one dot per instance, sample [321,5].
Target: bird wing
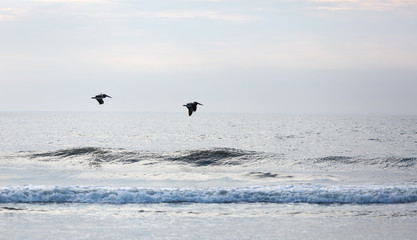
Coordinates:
[100,101]
[190,111]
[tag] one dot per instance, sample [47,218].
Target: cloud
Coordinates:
[132,10]
[308,54]
[334,8]
[10,14]
[72,1]
[368,5]
[211,15]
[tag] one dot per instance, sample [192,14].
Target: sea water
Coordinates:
[209,176]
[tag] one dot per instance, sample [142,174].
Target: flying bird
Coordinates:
[192,107]
[100,98]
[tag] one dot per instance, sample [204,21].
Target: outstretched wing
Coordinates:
[190,111]
[100,101]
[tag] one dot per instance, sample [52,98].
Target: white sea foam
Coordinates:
[303,193]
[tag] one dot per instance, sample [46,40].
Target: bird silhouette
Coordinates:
[192,107]
[100,98]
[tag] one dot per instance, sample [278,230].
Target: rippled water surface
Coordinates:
[212,176]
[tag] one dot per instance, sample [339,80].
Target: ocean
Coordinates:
[209,176]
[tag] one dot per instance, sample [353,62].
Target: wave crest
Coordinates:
[383,162]
[97,156]
[216,156]
[71,152]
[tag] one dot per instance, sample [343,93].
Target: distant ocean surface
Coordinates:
[208,176]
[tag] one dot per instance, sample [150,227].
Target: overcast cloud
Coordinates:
[278,56]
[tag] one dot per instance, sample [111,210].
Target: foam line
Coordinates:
[314,194]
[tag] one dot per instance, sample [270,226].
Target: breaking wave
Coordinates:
[312,194]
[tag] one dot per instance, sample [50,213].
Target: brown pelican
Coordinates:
[100,98]
[192,107]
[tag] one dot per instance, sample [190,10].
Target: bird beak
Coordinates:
[108,96]
[200,104]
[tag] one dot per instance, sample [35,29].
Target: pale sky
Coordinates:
[272,56]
